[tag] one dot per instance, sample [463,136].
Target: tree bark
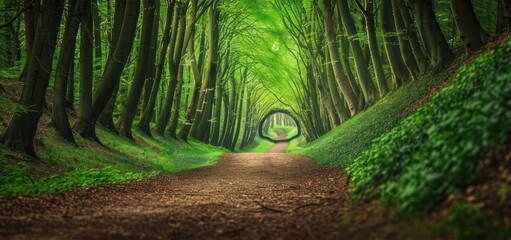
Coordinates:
[176,105]
[391,44]
[20,133]
[340,76]
[84,125]
[197,76]
[116,64]
[211,73]
[59,118]
[131,104]
[471,32]
[148,113]
[404,43]
[436,46]
[174,58]
[374,50]
[368,89]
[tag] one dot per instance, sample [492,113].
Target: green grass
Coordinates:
[258,145]
[63,166]
[296,144]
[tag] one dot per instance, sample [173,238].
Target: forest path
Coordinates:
[246,196]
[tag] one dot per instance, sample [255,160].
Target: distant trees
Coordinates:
[192,77]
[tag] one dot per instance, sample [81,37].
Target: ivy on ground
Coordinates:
[438,150]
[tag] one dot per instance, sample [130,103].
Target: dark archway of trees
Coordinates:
[264,121]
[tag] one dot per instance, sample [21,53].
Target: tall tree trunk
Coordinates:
[411,33]
[391,44]
[148,112]
[338,102]
[197,76]
[239,112]
[404,43]
[471,32]
[218,111]
[70,93]
[175,54]
[22,128]
[96,21]
[131,104]
[340,76]
[151,63]
[117,62]
[211,74]
[374,50]
[436,46]
[59,118]
[368,89]
[176,105]
[84,125]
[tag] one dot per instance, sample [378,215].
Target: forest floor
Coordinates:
[247,195]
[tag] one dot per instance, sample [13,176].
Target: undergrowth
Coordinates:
[438,150]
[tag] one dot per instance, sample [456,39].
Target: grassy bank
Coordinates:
[64,166]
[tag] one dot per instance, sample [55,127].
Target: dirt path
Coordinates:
[282,146]
[246,196]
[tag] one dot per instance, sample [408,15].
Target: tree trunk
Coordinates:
[197,76]
[70,93]
[20,133]
[218,111]
[404,45]
[175,54]
[148,113]
[239,112]
[211,74]
[340,76]
[436,46]
[411,33]
[117,62]
[368,89]
[374,50]
[84,125]
[176,105]
[131,104]
[344,114]
[471,32]
[59,118]
[391,44]
[96,21]
[151,64]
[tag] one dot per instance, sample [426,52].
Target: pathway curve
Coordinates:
[246,196]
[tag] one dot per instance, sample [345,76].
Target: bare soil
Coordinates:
[246,196]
